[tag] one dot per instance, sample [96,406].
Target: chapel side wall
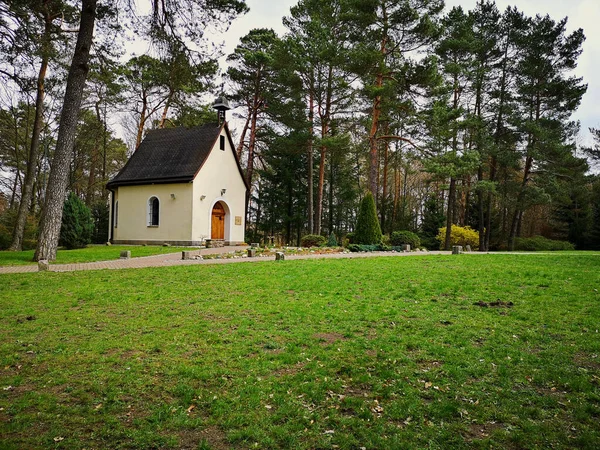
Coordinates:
[175,214]
[219,172]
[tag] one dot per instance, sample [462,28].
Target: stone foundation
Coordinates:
[173,243]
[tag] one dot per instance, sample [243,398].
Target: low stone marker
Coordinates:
[406,247]
[186,255]
[125,254]
[251,252]
[467,248]
[43,265]
[457,249]
[208,243]
[279,256]
[255,245]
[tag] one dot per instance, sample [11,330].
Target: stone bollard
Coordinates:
[43,265]
[125,254]
[251,252]
[255,245]
[457,249]
[406,247]
[186,255]
[208,243]
[279,256]
[468,248]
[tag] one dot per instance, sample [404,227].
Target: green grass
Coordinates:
[387,353]
[92,253]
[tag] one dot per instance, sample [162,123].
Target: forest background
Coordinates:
[446,115]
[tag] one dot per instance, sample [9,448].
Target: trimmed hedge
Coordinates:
[399,238]
[313,240]
[540,243]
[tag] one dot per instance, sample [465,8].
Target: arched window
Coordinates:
[153,209]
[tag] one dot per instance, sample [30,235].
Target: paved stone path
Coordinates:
[174,259]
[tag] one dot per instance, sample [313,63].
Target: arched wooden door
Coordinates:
[218,222]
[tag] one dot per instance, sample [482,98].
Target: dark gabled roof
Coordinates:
[169,155]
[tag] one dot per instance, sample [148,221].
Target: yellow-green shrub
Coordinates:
[460,236]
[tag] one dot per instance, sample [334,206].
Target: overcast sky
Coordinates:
[581,14]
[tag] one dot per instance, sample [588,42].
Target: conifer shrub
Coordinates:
[313,240]
[369,248]
[399,238]
[332,241]
[460,236]
[367,229]
[540,243]
[77,223]
[100,215]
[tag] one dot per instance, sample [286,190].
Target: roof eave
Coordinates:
[172,180]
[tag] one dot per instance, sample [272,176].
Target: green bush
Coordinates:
[367,230]
[400,238]
[313,240]
[540,243]
[350,238]
[460,236]
[369,248]
[332,241]
[77,224]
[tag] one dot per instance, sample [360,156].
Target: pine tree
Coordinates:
[367,231]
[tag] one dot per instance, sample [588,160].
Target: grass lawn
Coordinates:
[92,253]
[441,352]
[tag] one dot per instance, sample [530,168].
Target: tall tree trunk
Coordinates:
[57,183]
[310,181]
[142,121]
[34,149]
[385,181]
[250,166]
[325,119]
[497,136]
[518,214]
[452,191]
[240,148]
[450,213]
[163,117]
[373,154]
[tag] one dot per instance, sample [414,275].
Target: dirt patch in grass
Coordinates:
[587,361]
[289,370]
[495,304]
[328,338]
[482,431]
[211,435]
[426,365]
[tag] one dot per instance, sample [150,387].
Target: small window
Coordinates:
[153,210]
[222,142]
[116,214]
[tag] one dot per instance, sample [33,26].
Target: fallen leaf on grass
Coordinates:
[59,438]
[98,406]
[190,409]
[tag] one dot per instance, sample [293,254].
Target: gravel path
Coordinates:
[174,259]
